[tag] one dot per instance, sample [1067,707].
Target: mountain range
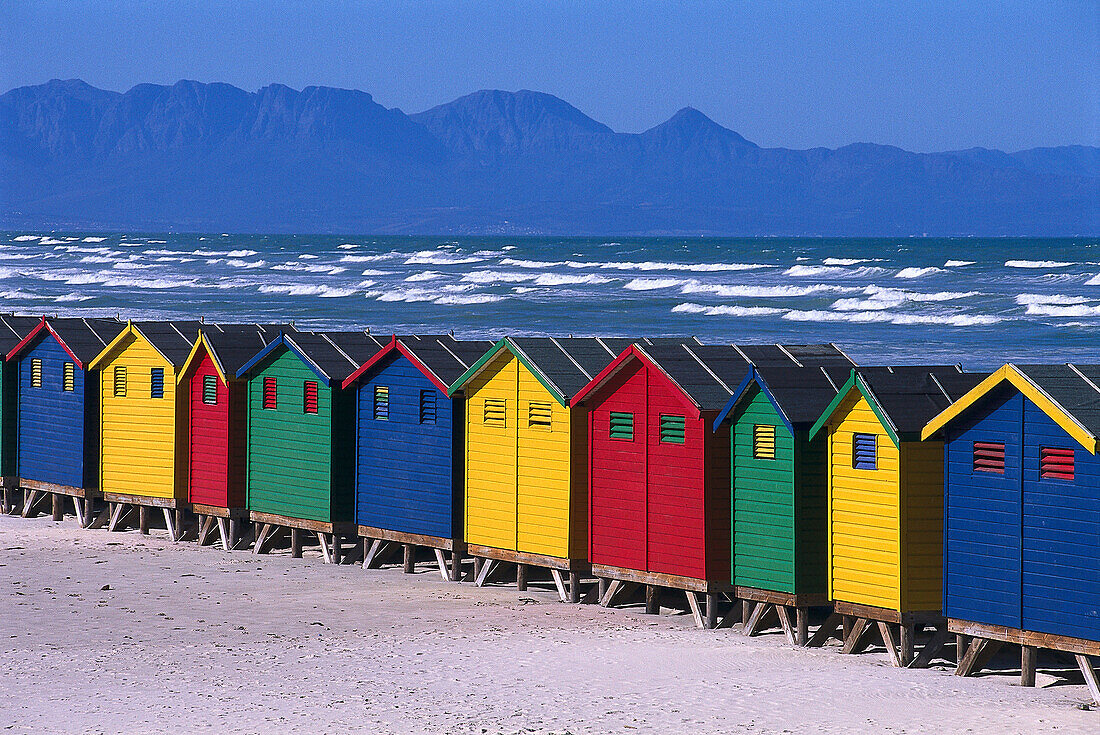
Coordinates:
[212,157]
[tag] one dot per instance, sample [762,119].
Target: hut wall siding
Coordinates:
[290,471]
[922,525]
[9,390]
[138,438]
[864,530]
[543,503]
[208,437]
[50,421]
[1060,536]
[983,511]
[404,475]
[490,502]
[811,514]
[762,501]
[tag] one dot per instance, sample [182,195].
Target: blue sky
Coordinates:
[924,76]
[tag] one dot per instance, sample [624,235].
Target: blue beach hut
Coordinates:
[409,447]
[12,331]
[1022,499]
[57,410]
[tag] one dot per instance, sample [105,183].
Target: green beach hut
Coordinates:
[300,471]
[778,486]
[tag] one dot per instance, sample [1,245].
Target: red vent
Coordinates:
[270,393]
[1055,463]
[310,401]
[989,457]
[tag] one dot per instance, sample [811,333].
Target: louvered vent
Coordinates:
[495,412]
[427,407]
[1055,463]
[672,429]
[989,457]
[622,426]
[309,396]
[539,415]
[36,373]
[271,393]
[763,441]
[864,452]
[68,377]
[210,390]
[381,403]
[120,381]
[156,383]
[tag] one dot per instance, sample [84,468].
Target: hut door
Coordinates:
[1061,514]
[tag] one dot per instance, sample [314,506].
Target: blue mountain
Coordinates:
[212,157]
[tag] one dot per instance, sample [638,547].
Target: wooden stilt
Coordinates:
[120,513]
[757,618]
[746,609]
[262,537]
[223,533]
[931,648]
[441,563]
[826,631]
[801,626]
[891,643]
[58,507]
[487,568]
[81,514]
[521,577]
[456,566]
[615,589]
[652,599]
[171,522]
[408,562]
[30,499]
[1027,665]
[326,550]
[1089,673]
[295,543]
[574,587]
[696,612]
[102,518]
[337,547]
[856,639]
[906,652]
[784,614]
[848,623]
[978,654]
[602,583]
[712,610]
[234,533]
[143,520]
[559,583]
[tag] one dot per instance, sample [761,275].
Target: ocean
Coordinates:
[979,302]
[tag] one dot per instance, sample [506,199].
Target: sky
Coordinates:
[925,76]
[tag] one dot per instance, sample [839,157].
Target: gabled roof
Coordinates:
[904,398]
[13,329]
[172,341]
[563,365]
[333,356]
[799,387]
[231,345]
[83,339]
[1068,393]
[441,357]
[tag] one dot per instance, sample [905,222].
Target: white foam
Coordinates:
[409,295]
[433,257]
[1094,281]
[27,238]
[89,239]
[846,261]
[307,256]
[425,276]
[1035,264]
[863,317]
[653,284]
[235,253]
[804,271]
[498,277]
[879,298]
[725,291]
[566,279]
[372,272]
[299,267]
[724,310]
[325,292]
[71,297]
[957,263]
[236,263]
[362,258]
[366,283]
[1077,310]
[1057,298]
[467,300]
[917,272]
[651,265]
[348,246]
[535,264]
[128,265]
[51,241]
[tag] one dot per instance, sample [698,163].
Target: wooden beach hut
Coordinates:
[142,423]
[57,413]
[408,466]
[12,330]
[526,453]
[217,431]
[1022,495]
[885,510]
[778,485]
[300,469]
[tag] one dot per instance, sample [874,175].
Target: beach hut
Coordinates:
[778,485]
[300,468]
[217,429]
[409,431]
[1022,496]
[12,330]
[885,509]
[142,427]
[526,454]
[57,413]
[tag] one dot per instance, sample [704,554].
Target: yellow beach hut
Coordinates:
[526,455]
[885,507]
[142,423]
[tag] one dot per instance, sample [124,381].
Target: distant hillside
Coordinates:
[211,157]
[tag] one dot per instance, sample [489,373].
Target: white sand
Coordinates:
[198,640]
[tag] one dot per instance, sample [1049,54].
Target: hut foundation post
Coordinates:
[58,507]
[908,643]
[825,631]
[652,600]
[30,499]
[408,561]
[574,587]
[712,610]
[171,520]
[601,588]
[456,566]
[521,577]
[441,562]
[802,627]
[81,512]
[143,520]
[337,548]
[295,543]
[1089,673]
[1027,665]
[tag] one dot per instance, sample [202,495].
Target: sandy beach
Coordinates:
[123,633]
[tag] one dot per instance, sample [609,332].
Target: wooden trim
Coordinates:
[147,500]
[49,487]
[783,598]
[520,557]
[287,522]
[1005,634]
[672,581]
[218,512]
[886,615]
[416,539]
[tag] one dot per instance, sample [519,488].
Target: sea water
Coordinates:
[979,302]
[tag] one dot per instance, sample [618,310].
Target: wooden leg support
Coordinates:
[456,566]
[80,507]
[58,507]
[931,649]
[977,655]
[1027,665]
[696,610]
[326,550]
[856,639]
[224,535]
[1089,673]
[337,548]
[30,499]
[825,632]
[758,618]
[559,584]
[408,561]
[891,642]
[120,514]
[801,626]
[295,543]
[441,562]
[171,523]
[652,600]
[574,587]
[617,588]
[143,521]
[487,567]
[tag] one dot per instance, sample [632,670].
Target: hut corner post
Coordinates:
[898,632]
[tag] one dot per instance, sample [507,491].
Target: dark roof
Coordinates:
[802,393]
[910,396]
[235,344]
[14,328]
[798,355]
[1076,388]
[570,362]
[86,337]
[174,340]
[338,354]
[448,358]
